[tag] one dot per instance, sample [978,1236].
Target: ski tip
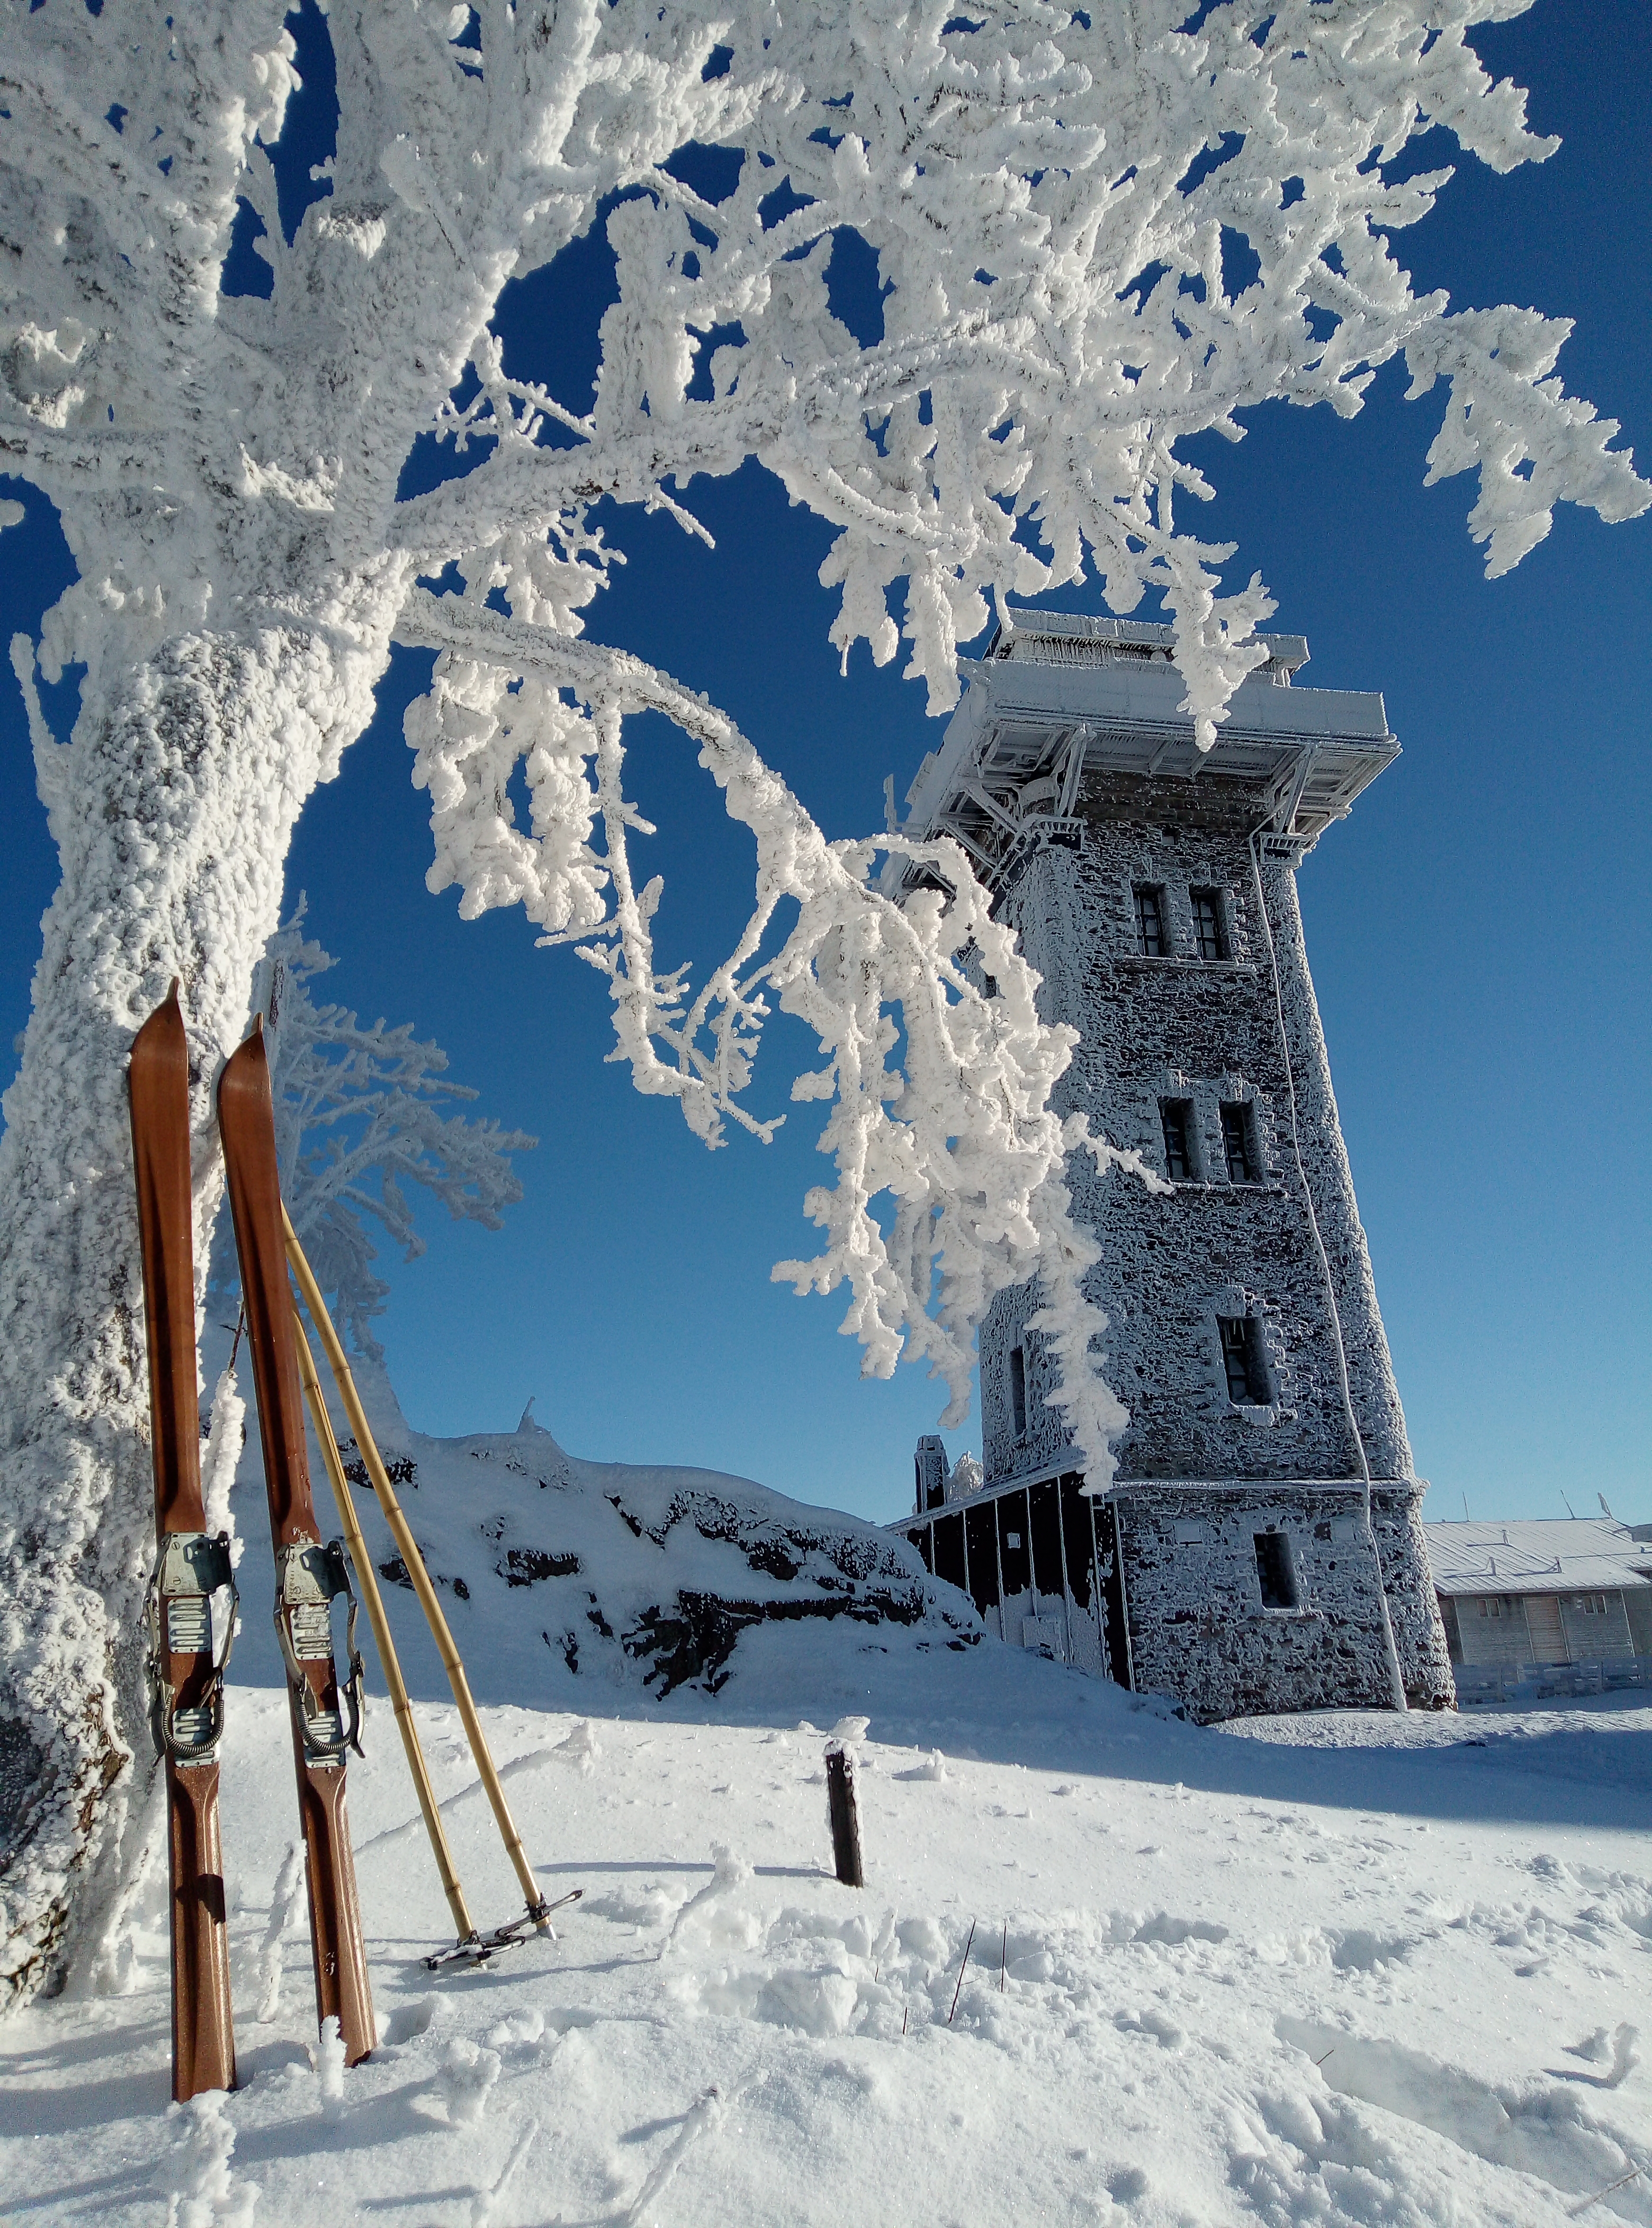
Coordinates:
[248,1066]
[164,1030]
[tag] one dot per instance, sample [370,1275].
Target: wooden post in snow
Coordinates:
[845,1817]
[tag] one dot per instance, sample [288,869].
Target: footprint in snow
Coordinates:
[1164,2032]
[1359,1951]
[522,2029]
[463,2081]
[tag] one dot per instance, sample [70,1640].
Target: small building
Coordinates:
[1561,1593]
[1259,1546]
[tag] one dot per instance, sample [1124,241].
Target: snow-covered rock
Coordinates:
[560,1576]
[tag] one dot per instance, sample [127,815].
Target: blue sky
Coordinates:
[1478,930]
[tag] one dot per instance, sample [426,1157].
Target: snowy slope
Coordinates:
[575,1583]
[1338,1970]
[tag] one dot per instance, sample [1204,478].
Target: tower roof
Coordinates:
[1059,697]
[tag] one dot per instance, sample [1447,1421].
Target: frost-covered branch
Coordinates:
[1094,239]
[950,1162]
[968,289]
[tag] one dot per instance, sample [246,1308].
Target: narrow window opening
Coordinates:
[1245,1361]
[1275,1571]
[1149,920]
[1018,1390]
[1209,930]
[1238,1142]
[1176,1116]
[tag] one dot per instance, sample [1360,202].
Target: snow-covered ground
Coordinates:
[1328,1969]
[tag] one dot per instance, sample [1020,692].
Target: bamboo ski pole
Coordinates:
[401,1532]
[368,1582]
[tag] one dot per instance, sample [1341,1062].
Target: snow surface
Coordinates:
[1050,317]
[1339,1968]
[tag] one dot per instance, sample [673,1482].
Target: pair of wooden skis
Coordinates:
[186,1666]
[190,1644]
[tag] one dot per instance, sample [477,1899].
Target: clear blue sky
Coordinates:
[1478,930]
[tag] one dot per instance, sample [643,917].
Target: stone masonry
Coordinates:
[1265,1505]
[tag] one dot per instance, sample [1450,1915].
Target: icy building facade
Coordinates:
[1260,1546]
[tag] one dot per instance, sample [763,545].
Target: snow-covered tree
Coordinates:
[1096,232]
[362,1116]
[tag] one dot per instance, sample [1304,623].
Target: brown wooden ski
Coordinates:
[310,1576]
[185,1668]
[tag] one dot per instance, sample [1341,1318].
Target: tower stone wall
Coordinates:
[1266,1518]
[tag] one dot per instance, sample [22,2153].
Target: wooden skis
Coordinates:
[310,1576]
[185,1668]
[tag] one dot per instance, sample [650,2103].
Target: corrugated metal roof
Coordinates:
[1546,1555]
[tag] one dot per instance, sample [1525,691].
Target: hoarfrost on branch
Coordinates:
[1097,234]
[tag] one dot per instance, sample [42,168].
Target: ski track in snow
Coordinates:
[1331,1969]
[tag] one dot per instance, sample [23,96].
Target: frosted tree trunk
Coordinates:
[172,810]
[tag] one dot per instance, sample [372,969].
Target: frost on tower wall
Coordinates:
[1153,886]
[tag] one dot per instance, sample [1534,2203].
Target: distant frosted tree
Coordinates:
[966,1478]
[1097,234]
[361,1117]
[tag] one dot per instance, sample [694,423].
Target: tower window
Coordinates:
[1150,921]
[1274,1570]
[1244,1360]
[1238,1141]
[1209,932]
[1018,1390]
[1176,1115]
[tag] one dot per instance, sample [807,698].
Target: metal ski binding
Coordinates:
[476,1949]
[177,1609]
[310,1577]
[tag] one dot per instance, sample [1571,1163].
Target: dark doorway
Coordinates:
[1080,1541]
[1015,1555]
[1047,1538]
[949,1550]
[1110,1568]
[983,1559]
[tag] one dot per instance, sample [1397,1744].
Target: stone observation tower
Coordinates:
[1260,1547]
